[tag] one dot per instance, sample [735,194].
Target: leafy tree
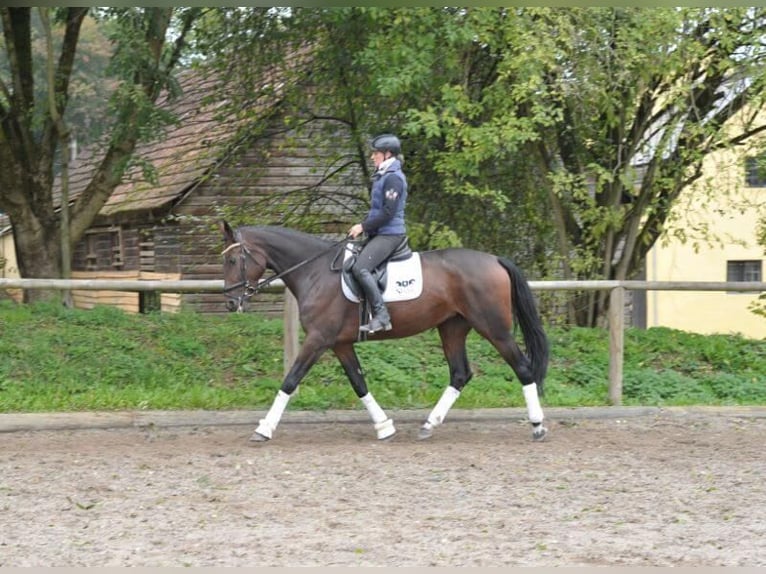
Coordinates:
[561,137]
[653,93]
[583,123]
[363,71]
[141,66]
[759,306]
[299,61]
[617,107]
[90,86]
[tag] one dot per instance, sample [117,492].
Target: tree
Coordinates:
[561,137]
[617,107]
[653,93]
[141,65]
[364,71]
[90,86]
[298,61]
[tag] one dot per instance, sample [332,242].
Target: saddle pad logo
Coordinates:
[403,282]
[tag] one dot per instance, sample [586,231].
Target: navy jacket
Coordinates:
[387,200]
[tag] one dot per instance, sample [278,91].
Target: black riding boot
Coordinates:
[380,318]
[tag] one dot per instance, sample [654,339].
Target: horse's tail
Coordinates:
[525,314]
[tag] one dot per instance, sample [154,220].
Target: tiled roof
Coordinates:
[180,157]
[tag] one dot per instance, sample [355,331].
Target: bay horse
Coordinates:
[462,289]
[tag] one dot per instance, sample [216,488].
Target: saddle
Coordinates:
[399,278]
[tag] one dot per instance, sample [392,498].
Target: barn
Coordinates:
[162,223]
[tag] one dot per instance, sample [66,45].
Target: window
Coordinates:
[103,248]
[91,259]
[743,270]
[755,171]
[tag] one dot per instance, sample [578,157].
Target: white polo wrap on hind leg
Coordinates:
[439,412]
[533,403]
[268,424]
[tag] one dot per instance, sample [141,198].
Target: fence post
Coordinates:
[291,327]
[616,343]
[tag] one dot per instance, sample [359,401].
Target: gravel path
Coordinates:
[664,489]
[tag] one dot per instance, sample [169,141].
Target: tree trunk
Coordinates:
[27,147]
[38,251]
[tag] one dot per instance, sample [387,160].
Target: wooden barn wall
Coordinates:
[127,250]
[284,166]
[289,170]
[129,301]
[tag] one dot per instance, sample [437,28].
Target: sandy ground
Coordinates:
[660,490]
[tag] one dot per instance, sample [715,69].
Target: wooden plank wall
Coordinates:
[126,300]
[170,302]
[87,299]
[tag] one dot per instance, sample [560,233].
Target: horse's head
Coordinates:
[243,266]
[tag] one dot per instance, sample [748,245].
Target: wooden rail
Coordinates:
[291,330]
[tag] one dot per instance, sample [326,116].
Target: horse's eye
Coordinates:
[231,261]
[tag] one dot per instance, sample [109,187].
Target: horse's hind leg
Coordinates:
[453,333]
[384,426]
[510,351]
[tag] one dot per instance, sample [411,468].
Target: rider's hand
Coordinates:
[355,230]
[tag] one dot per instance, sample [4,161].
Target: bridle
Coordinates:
[249,289]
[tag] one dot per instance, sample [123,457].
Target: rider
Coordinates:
[384,224]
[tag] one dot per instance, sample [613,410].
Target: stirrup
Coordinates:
[376,325]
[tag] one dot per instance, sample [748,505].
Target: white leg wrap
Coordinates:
[533,403]
[376,413]
[384,426]
[439,412]
[267,425]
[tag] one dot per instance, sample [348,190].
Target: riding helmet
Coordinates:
[387,142]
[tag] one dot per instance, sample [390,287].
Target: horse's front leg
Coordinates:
[384,426]
[310,351]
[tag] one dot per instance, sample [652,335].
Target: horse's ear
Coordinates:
[227,231]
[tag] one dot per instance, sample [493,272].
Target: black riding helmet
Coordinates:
[387,142]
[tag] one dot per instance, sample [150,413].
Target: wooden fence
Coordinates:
[291,329]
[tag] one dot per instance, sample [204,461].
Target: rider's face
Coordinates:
[378,157]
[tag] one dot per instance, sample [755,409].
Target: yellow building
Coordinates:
[727,203]
[8,265]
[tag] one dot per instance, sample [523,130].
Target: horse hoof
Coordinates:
[539,432]
[258,437]
[425,433]
[387,437]
[385,429]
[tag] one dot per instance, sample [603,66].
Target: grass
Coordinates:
[58,359]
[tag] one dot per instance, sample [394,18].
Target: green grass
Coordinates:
[58,359]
